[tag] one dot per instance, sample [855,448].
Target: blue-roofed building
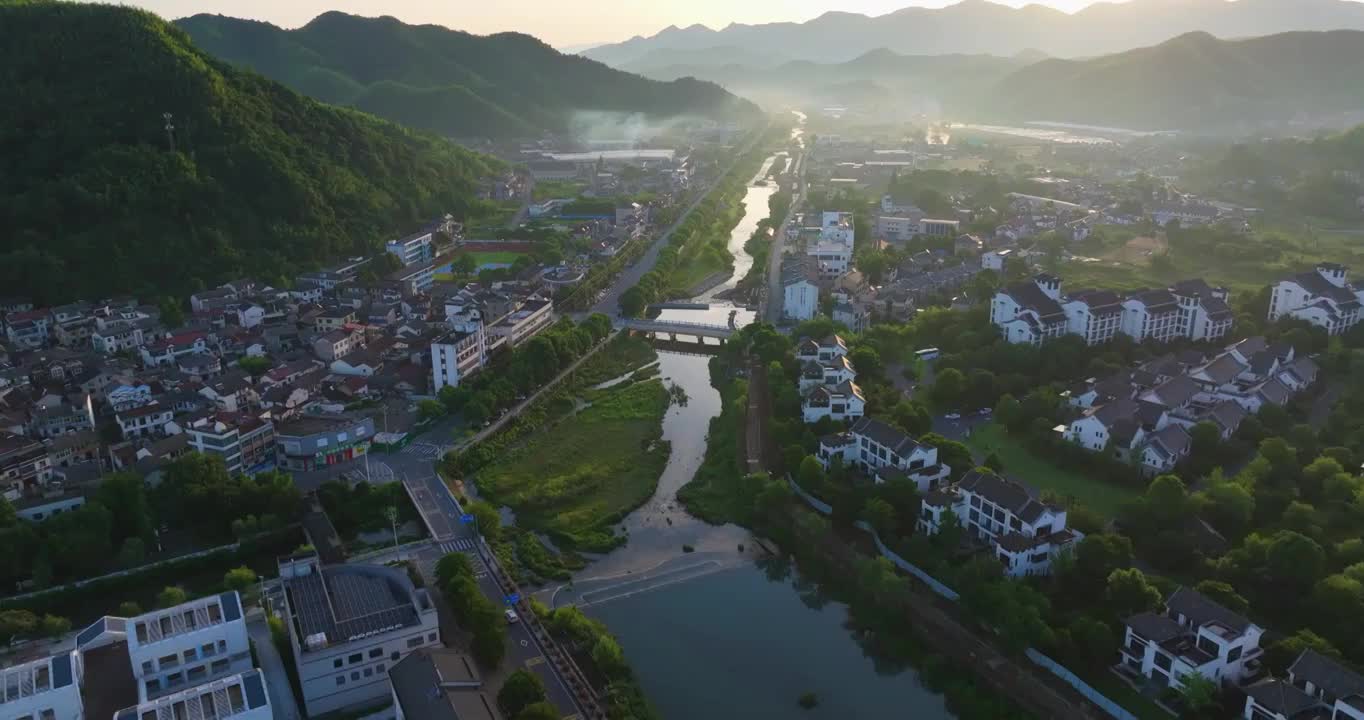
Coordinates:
[240,697]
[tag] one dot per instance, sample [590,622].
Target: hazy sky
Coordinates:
[558,22]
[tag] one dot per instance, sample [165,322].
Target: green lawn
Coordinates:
[500,258]
[575,479]
[1019,461]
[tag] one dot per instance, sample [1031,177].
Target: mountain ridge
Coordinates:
[979,26]
[501,85]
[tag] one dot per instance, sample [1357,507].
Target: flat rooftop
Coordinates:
[349,602]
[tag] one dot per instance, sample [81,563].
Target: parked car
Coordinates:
[953,416]
[512,617]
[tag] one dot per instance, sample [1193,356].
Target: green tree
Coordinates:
[487,519]
[1129,592]
[464,264]
[538,711]
[132,553]
[1094,640]
[1280,655]
[1223,594]
[54,626]
[1228,507]
[949,389]
[171,596]
[16,624]
[1294,558]
[489,647]
[255,366]
[428,410]
[632,302]
[1097,556]
[811,474]
[881,516]
[128,609]
[239,579]
[1199,692]
[520,689]
[453,566]
[609,658]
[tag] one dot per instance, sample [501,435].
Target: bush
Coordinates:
[808,701]
[522,688]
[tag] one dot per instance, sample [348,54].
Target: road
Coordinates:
[283,705]
[523,648]
[610,302]
[775,295]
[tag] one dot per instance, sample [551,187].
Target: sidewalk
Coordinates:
[283,704]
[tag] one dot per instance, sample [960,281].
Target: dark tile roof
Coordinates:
[1157,301]
[439,684]
[1155,627]
[1278,696]
[1201,611]
[894,440]
[1176,392]
[1327,674]
[1029,295]
[1314,283]
[1005,493]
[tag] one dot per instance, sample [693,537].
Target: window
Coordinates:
[222,645]
[168,661]
[369,672]
[207,707]
[147,668]
[165,623]
[336,663]
[142,632]
[354,675]
[1234,654]
[357,657]
[1162,660]
[379,668]
[190,623]
[197,673]
[191,655]
[235,697]
[393,656]
[174,679]
[220,666]
[340,680]
[153,686]
[215,613]
[376,652]
[431,637]
[206,650]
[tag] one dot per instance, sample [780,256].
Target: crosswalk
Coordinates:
[424,450]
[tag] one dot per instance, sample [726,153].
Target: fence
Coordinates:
[1066,676]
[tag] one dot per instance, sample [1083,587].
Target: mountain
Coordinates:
[974,27]
[98,197]
[1194,81]
[449,82]
[879,80]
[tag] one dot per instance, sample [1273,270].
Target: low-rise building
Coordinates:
[885,453]
[458,355]
[310,442]
[439,684]
[24,466]
[815,373]
[1194,636]
[165,351]
[152,420]
[239,697]
[522,324]
[1025,534]
[1322,297]
[800,291]
[1317,687]
[840,402]
[414,249]
[188,645]
[337,344]
[1030,312]
[246,443]
[348,626]
[47,689]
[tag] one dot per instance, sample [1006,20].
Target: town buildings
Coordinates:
[1316,687]
[1032,312]
[1322,297]
[313,442]
[348,626]
[1194,636]
[832,253]
[885,453]
[414,249]
[800,288]
[1025,534]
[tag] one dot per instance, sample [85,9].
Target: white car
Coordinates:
[512,617]
[953,416]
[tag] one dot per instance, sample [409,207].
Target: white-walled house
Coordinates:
[1316,687]
[1194,636]
[1204,313]
[1095,315]
[822,351]
[885,453]
[189,644]
[1151,315]
[1321,297]
[814,373]
[800,293]
[1026,535]
[840,402]
[1030,312]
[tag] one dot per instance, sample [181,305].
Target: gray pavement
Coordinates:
[283,704]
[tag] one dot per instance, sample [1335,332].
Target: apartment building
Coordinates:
[1194,636]
[1025,534]
[1036,311]
[44,689]
[349,625]
[522,324]
[1203,309]
[239,697]
[458,355]
[188,645]
[244,442]
[1152,315]
[337,344]
[414,249]
[831,255]
[145,421]
[1095,315]
[1322,297]
[885,453]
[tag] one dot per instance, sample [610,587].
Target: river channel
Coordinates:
[710,633]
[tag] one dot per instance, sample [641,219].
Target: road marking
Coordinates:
[537,660]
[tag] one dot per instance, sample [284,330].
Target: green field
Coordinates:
[1020,462]
[575,479]
[500,258]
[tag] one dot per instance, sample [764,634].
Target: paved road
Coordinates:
[283,705]
[775,295]
[451,535]
[610,302]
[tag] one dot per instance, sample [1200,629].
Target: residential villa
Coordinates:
[885,453]
[1035,311]
[1317,687]
[1321,297]
[1194,636]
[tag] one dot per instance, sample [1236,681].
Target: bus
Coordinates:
[928,354]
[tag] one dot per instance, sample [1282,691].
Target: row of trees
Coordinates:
[475,611]
[118,525]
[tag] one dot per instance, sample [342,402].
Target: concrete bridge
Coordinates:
[672,328]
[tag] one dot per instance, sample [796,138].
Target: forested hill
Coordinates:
[1194,81]
[96,198]
[450,82]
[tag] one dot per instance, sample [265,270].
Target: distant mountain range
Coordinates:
[1194,81]
[449,82]
[974,27]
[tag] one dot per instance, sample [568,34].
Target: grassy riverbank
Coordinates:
[575,479]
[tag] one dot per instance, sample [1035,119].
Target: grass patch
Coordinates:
[495,258]
[1123,694]
[575,479]
[1020,462]
[715,494]
[557,189]
[625,353]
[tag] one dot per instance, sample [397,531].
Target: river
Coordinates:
[710,633]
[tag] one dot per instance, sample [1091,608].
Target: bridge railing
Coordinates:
[675,323]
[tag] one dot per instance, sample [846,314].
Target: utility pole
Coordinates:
[170,130]
[391,513]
